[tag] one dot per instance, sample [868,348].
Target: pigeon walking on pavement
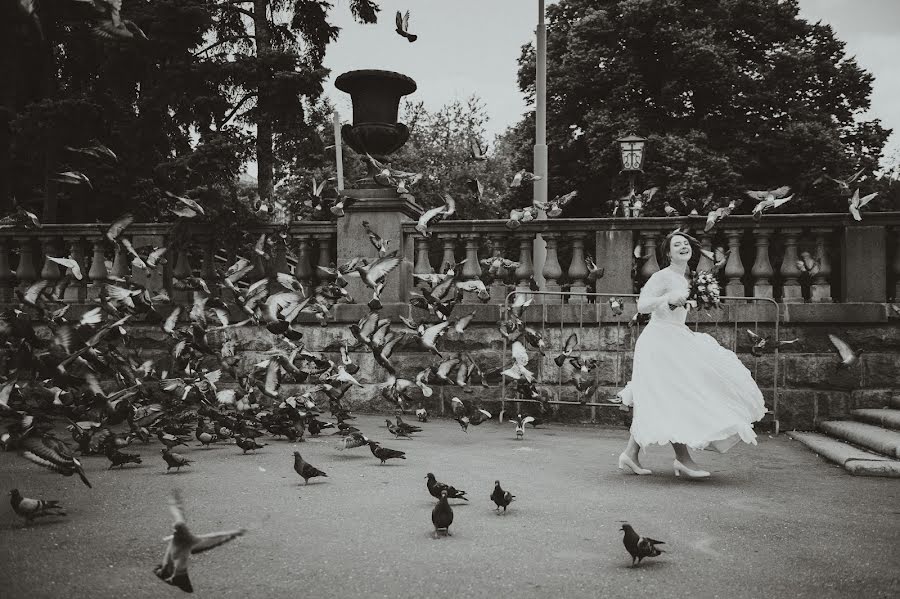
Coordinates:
[305,469]
[34,508]
[442,515]
[500,497]
[639,547]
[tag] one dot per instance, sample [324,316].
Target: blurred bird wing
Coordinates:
[519,354]
[780,192]
[866,199]
[527,419]
[759,196]
[841,346]
[753,335]
[571,342]
[434,331]
[381,267]
[779,201]
[210,540]
[176,507]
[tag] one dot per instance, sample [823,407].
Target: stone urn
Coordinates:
[376,100]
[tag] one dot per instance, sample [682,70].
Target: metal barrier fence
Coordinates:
[626,325]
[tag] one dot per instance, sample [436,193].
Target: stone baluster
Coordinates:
[734,267]
[552,270]
[279,257]
[498,288]
[705,244]
[895,265]
[820,289]
[651,265]
[526,268]
[50,271]
[76,290]
[791,292]
[181,292]
[471,270]
[323,241]
[577,269]
[98,273]
[303,271]
[25,271]
[423,262]
[7,276]
[762,268]
[448,241]
[121,266]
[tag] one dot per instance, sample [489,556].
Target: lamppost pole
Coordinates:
[539,250]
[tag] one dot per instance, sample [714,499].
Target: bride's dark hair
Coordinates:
[665,250]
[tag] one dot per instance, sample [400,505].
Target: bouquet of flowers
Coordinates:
[704,291]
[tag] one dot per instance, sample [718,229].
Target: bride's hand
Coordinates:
[677,298]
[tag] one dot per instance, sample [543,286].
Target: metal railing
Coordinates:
[600,314]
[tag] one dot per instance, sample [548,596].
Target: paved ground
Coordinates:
[774,521]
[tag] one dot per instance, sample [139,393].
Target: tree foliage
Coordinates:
[731,95]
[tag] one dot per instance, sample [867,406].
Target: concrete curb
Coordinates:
[853,460]
[885,417]
[866,435]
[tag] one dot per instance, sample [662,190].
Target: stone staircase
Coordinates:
[866,444]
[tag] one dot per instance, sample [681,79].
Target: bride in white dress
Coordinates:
[685,388]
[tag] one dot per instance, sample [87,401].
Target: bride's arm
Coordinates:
[653,295]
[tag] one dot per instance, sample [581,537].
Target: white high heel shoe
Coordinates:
[627,462]
[682,469]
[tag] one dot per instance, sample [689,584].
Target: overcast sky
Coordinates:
[471,46]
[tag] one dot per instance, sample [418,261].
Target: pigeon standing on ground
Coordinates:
[248,444]
[182,543]
[442,515]
[639,547]
[174,460]
[34,508]
[436,487]
[500,497]
[120,458]
[304,469]
[385,453]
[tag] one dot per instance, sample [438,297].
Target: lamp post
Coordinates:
[631,148]
[539,249]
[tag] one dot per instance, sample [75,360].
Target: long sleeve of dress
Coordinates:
[653,294]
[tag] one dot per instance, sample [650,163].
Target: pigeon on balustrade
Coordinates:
[848,355]
[669,209]
[120,458]
[384,454]
[182,543]
[436,488]
[442,515]
[639,547]
[248,444]
[402,26]
[305,469]
[500,497]
[174,460]
[855,202]
[435,215]
[34,508]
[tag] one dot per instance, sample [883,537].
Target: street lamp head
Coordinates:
[632,149]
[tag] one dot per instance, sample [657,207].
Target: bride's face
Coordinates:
[679,250]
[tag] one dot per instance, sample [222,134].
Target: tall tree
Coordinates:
[271,54]
[731,95]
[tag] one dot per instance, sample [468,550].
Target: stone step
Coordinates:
[852,459]
[869,436]
[885,417]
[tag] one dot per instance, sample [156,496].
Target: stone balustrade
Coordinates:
[196,251]
[857,272]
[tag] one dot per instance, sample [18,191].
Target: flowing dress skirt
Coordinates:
[686,388]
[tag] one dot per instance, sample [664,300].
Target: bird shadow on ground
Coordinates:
[37,523]
[652,565]
[350,456]
[172,472]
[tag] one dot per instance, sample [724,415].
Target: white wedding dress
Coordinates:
[685,387]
